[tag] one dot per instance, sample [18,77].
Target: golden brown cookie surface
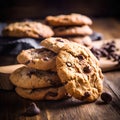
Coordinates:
[79,69]
[30,78]
[42,59]
[68,20]
[28,29]
[55,93]
[73,31]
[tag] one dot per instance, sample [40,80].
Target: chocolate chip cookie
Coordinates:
[42,59]
[79,69]
[68,20]
[73,31]
[54,43]
[53,93]
[31,78]
[28,29]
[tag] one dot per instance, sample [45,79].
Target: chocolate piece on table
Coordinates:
[32,110]
[106,97]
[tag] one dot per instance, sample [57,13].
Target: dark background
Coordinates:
[38,9]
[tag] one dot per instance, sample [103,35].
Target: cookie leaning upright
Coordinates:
[28,29]
[79,70]
[66,20]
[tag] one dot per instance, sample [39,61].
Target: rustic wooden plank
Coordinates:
[5,72]
[64,109]
[76,110]
[10,68]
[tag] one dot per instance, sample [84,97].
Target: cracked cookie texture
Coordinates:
[41,59]
[52,93]
[79,69]
[54,43]
[31,78]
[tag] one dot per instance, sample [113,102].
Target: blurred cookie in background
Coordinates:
[27,29]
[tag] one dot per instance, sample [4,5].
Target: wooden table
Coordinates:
[11,105]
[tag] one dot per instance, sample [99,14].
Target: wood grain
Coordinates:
[11,105]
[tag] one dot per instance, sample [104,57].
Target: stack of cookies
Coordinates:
[59,69]
[75,27]
[37,79]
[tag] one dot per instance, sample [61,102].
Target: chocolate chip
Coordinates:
[32,110]
[87,69]
[31,72]
[45,58]
[27,62]
[109,56]
[104,53]
[106,97]
[96,52]
[52,94]
[107,50]
[68,64]
[86,94]
[41,50]
[59,40]
[80,57]
[111,49]
[114,56]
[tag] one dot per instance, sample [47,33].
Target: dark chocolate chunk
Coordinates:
[109,57]
[107,50]
[52,94]
[96,52]
[80,57]
[45,58]
[104,53]
[86,69]
[59,40]
[68,64]
[106,97]
[32,110]
[31,72]
[54,83]
[86,94]
[27,62]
